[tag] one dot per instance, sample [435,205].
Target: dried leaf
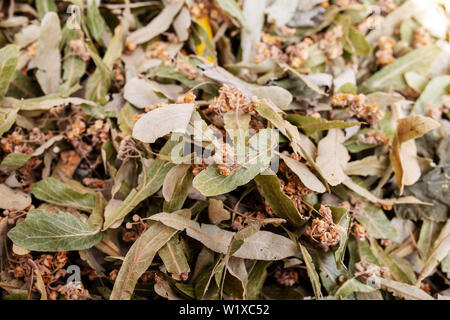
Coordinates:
[262,245]
[352,285]
[311,125]
[312,273]
[9,56]
[232,8]
[139,258]
[376,222]
[162,121]
[432,95]
[180,191]
[174,259]
[440,250]
[333,157]
[216,212]
[211,183]
[368,166]
[141,93]
[279,202]
[431,188]
[306,176]
[281,12]
[429,232]
[403,290]
[45,231]
[152,180]
[158,25]
[14,161]
[372,198]
[414,127]
[7,120]
[420,61]
[48,57]
[253,12]
[13,199]
[256,278]
[172,178]
[56,192]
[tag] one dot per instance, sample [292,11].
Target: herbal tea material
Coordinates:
[224,149]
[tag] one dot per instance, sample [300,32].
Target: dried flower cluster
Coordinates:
[357,106]
[385,53]
[323,230]
[332,43]
[232,98]
[421,38]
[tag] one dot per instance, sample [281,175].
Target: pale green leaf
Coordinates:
[216,212]
[280,203]
[56,192]
[44,6]
[260,152]
[96,24]
[125,119]
[376,222]
[305,175]
[9,56]
[333,157]
[256,278]
[45,231]
[432,96]
[232,8]
[429,232]
[157,25]
[174,258]
[7,120]
[179,191]
[351,286]
[368,166]
[402,271]
[311,270]
[420,61]
[416,81]
[14,161]
[311,124]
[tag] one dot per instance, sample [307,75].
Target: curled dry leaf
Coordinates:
[333,157]
[48,57]
[158,25]
[162,121]
[141,94]
[306,176]
[170,181]
[216,212]
[13,199]
[404,153]
[403,290]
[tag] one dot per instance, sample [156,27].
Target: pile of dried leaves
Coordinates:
[224,149]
